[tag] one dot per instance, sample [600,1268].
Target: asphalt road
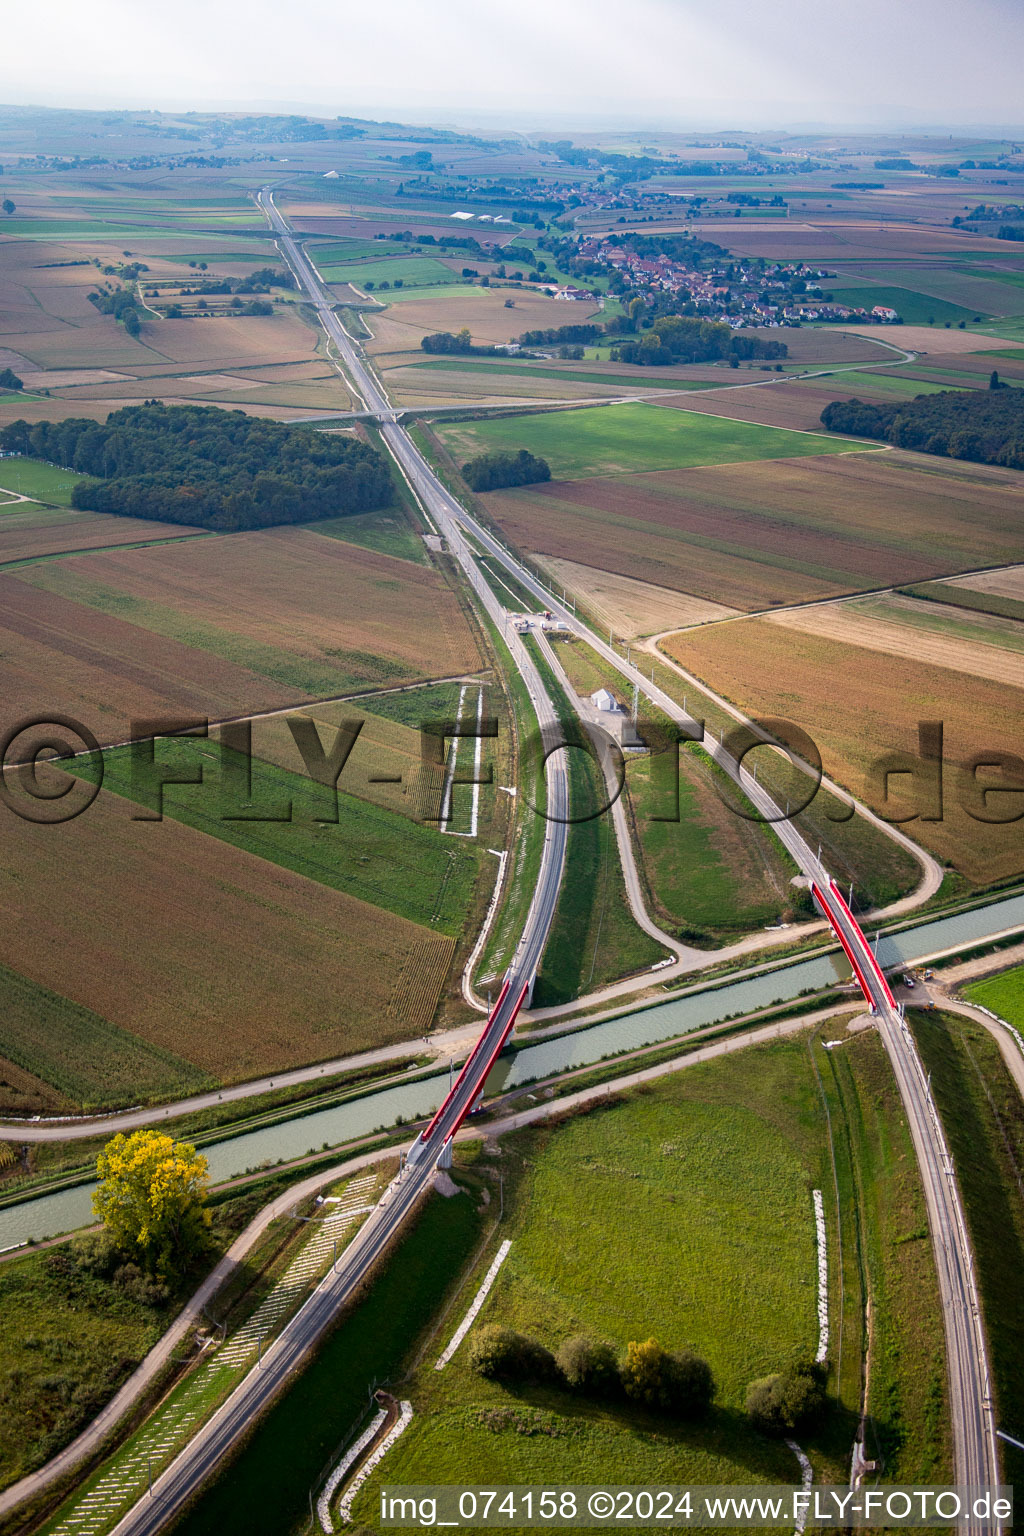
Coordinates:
[974,1441]
[197,1462]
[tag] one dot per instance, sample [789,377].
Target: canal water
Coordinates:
[68,1209]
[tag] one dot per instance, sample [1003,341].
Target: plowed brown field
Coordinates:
[26,532]
[756,535]
[231,962]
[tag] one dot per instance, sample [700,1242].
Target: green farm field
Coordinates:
[1004,994]
[381,858]
[887,382]
[626,439]
[914,308]
[653,1215]
[453,289]
[416,271]
[983,1118]
[42,482]
[389,533]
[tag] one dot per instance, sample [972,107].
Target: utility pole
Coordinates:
[149,1464]
[259,1351]
[501,1193]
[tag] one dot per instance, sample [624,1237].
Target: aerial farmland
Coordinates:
[512,642]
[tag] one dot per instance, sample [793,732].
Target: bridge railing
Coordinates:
[837,929]
[837,897]
[468,1063]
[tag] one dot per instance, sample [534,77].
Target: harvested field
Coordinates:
[1009,582]
[84,1059]
[929,632]
[263,619]
[929,338]
[628,606]
[107,672]
[482,310]
[785,403]
[751,536]
[838,240]
[859,705]
[622,439]
[29,532]
[830,344]
[419,386]
[231,963]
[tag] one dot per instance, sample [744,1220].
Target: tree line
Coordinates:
[207,467]
[678,1382]
[986,426]
[685,339]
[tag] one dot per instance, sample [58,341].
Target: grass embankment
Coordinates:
[983,1118]
[265,1490]
[372,853]
[593,938]
[711,872]
[852,848]
[72,1330]
[526,843]
[58,1164]
[887,1259]
[684,1211]
[1003,994]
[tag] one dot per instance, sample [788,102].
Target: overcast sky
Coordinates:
[742,63]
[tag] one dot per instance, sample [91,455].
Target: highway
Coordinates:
[973,1430]
[974,1440]
[193,1466]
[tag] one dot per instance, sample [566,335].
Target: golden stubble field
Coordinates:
[860,704]
[483,311]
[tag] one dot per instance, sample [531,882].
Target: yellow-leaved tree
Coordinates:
[151,1198]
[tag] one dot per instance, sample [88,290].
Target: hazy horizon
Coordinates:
[865,64]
